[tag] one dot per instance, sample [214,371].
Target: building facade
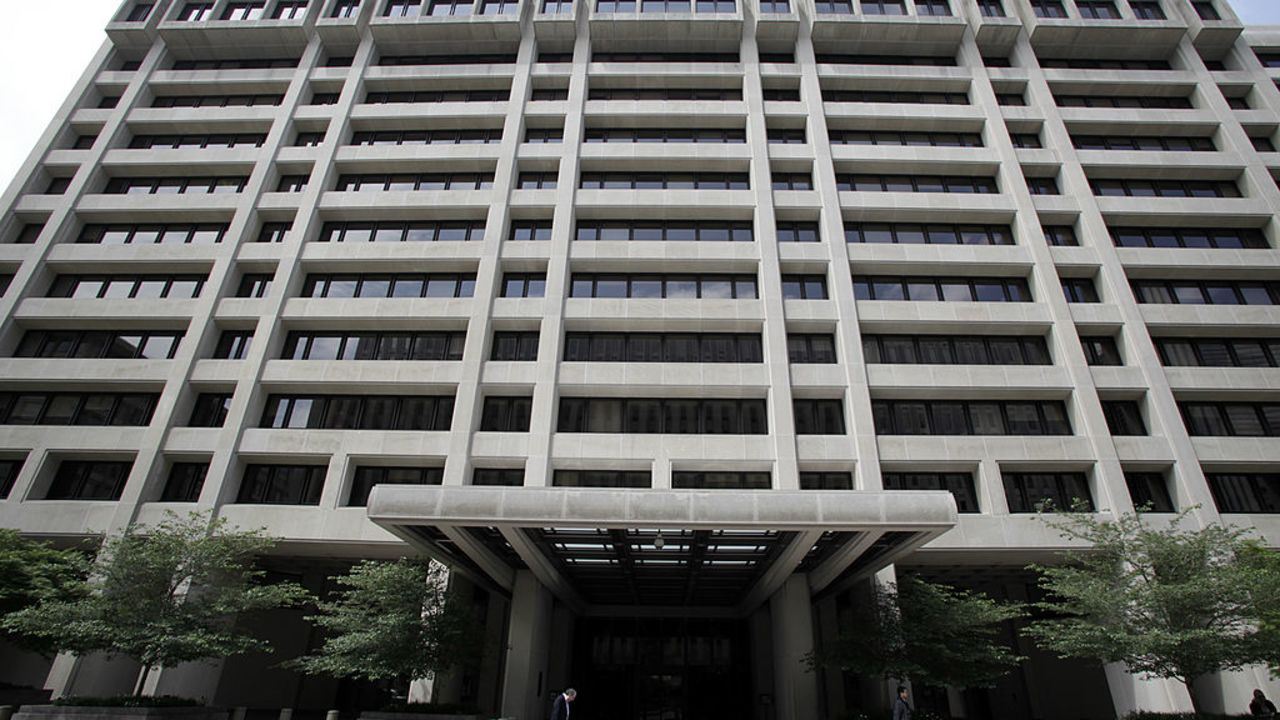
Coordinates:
[669,324]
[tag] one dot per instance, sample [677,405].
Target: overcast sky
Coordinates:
[45,46]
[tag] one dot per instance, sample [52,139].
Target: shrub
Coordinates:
[128,701]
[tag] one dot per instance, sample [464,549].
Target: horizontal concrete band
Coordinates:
[401,505]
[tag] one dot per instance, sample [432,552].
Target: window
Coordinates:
[1026,141]
[775,6]
[1190,292]
[1147,9]
[1245,492]
[1048,8]
[139,12]
[236,64]
[1028,492]
[1205,9]
[434,285]
[185,481]
[290,10]
[1225,238]
[29,233]
[671,286]
[1060,235]
[819,417]
[403,8]
[254,285]
[663,347]
[453,59]
[396,97]
[932,7]
[173,234]
[659,231]
[544,135]
[345,8]
[358,232]
[1079,290]
[797,232]
[1124,418]
[57,186]
[1219,352]
[6,279]
[1101,350]
[1205,419]
[292,183]
[354,412]
[94,344]
[1238,102]
[1043,186]
[915,183]
[834,7]
[792,181]
[1011,99]
[1124,102]
[991,8]
[524,285]
[530,230]
[664,415]
[602,478]
[233,345]
[811,348]
[955,349]
[196,11]
[917,234]
[557,7]
[439,8]
[500,477]
[1165,188]
[9,470]
[482,136]
[89,480]
[175,186]
[282,485]
[506,414]
[813,480]
[374,346]
[885,7]
[1098,9]
[549,94]
[959,289]
[804,287]
[1095,64]
[515,347]
[274,232]
[244,10]
[664,181]
[897,97]
[116,287]
[537,181]
[786,136]
[1149,491]
[366,478]
[720,480]
[83,409]
[197,101]
[939,417]
[84,142]
[1144,143]
[660,135]
[210,410]
[959,484]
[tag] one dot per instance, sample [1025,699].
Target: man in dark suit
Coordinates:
[560,709]
[902,708]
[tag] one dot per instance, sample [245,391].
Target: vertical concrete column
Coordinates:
[528,644]
[831,681]
[761,662]
[795,688]
[1131,693]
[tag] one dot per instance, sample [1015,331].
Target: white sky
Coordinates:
[45,46]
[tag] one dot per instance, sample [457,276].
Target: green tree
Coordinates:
[1266,563]
[394,621]
[1167,602]
[35,571]
[164,595]
[928,633]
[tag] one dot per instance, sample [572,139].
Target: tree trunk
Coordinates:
[142,680]
[1195,700]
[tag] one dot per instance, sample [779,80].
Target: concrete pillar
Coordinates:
[831,679]
[524,686]
[92,675]
[761,663]
[795,687]
[197,680]
[1131,693]
[420,691]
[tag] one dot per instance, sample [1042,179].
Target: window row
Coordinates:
[358,232]
[659,231]
[68,408]
[406,285]
[1158,237]
[195,142]
[355,412]
[1165,188]
[377,182]
[916,183]
[1219,352]
[1192,292]
[664,93]
[663,347]
[435,96]
[665,135]
[175,185]
[903,97]
[670,416]
[907,138]
[182,287]
[1143,142]
[664,181]
[956,289]
[916,234]
[374,346]
[93,344]
[1208,419]
[205,101]
[1138,102]
[674,285]
[450,136]
[959,417]
[955,350]
[167,234]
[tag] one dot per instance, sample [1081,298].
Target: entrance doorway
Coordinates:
[662,669]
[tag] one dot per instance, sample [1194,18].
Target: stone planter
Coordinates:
[410,716]
[67,712]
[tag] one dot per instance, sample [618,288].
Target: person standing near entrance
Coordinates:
[560,708]
[1261,706]
[901,708]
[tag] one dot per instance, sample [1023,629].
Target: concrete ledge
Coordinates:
[66,712]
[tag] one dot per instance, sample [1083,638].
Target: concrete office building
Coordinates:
[668,324]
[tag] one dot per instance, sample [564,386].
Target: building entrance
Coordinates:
[662,669]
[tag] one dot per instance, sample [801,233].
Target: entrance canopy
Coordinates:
[634,551]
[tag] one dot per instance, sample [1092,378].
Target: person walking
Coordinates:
[1261,707]
[560,708]
[901,708]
